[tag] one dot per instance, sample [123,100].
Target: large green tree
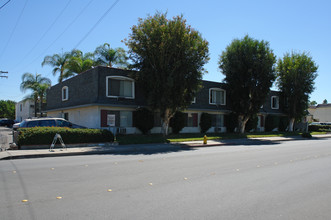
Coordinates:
[60,64]
[170,56]
[296,73]
[38,86]
[110,57]
[248,66]
[7,109]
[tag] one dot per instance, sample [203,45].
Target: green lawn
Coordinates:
[157,138]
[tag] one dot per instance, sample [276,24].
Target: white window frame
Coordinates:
[67,93]
[277,98]
[119,78]
[217,89]
[194,100]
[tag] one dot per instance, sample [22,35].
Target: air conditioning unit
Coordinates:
[121,131]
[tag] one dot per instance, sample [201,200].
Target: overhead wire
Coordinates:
[4,4]
[12,33]
[96,24]
[60,35]
[49,28]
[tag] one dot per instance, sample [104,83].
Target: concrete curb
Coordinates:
[143,148]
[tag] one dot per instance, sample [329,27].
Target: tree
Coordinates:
[205,122]
[296,73]
[325,101]
[60,64]
[248,66]
[312,103]
[169,55]
[7,109]
[143,119]
[38,85]
[80,62]
[110,57]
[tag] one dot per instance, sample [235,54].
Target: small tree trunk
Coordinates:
[291,124]
[242,120]
[165,122]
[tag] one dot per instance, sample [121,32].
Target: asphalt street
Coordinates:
[287,180]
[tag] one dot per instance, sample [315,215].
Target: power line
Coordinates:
[49,28]
[4,4]
[11,35]
[60,35]
[94,26]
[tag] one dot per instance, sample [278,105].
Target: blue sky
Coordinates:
[32,29]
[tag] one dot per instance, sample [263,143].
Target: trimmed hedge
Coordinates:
[45,135]
[143,120]
[319,128]
[205,122]
[178,122]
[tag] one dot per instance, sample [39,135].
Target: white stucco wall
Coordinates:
[85,116]
[322,114]
[27,111]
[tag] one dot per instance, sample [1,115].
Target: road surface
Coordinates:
[288,180]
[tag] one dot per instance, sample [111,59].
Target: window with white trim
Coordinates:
[274,102]
[119,87]
[126,119]
[65,93]
[217,96]
[194,100]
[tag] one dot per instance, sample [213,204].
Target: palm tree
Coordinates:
[80,62]
[110,57]
[38,85]
[59,62]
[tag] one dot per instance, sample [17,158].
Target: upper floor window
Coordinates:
[119,86]
[21,107]
[217,96]
[274,102]
[65,93]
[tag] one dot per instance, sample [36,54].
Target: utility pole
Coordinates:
[2,72]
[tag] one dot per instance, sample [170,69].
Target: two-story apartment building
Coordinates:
[103,97]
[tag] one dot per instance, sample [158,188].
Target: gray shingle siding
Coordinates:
[89,88]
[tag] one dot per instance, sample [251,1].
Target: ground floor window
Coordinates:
[217,120]
[116,118]
[192,120]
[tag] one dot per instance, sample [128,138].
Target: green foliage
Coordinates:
[45,135]
[283,123]
[325,101]
[231,122]
[205,122]
[271,122]
[110,57]
[143,119]
[79,62]
[170,56]
[313,103]
[177,123]
[295,78]
[319,128]
[60,63]
[38,85]
[251,123]
[248,66]
[7,109]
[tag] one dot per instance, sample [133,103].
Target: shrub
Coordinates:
[177,123]
[205,122]
[231,122]
[143,119]
[321,128]
[45,135]
[271,122]
[251,123]
[283,123]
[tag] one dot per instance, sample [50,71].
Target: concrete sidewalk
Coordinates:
[144,148]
